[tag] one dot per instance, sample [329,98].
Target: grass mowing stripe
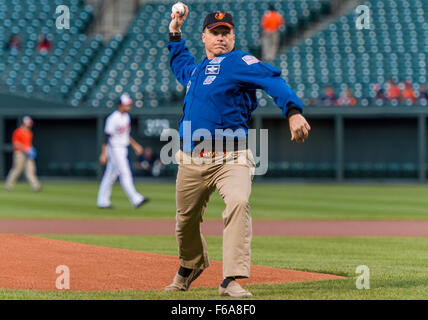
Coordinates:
[78,200]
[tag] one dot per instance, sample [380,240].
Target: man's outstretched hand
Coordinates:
[177,20]
[299,128]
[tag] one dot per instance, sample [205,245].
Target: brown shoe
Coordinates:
[181,283]
[234,290]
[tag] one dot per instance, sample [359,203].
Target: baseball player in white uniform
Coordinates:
[115,154]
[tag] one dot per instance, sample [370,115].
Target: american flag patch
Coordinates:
[250,59]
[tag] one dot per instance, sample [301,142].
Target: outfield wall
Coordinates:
[345,142]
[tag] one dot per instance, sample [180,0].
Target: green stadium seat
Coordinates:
[143,34]
[37,20]
[340,55]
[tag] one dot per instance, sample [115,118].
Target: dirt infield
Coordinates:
[310,228]
[29,262]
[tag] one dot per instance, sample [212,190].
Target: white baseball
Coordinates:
[178,7]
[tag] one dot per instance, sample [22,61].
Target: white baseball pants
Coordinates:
[117,166]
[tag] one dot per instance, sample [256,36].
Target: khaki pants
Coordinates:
[270,45]
[194,186]
[21,163]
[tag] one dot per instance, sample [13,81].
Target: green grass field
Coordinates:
[268,201]
[397,267]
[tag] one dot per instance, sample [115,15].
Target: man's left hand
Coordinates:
[299,128]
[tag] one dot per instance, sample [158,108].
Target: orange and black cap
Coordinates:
[218,18]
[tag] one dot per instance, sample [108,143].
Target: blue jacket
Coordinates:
[221,93]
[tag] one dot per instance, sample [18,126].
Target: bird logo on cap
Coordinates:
[220,15]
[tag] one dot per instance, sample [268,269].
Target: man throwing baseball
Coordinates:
[115,154]
[221,94]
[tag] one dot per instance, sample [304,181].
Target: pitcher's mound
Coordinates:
[29,262]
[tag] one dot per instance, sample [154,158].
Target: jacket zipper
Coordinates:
[194,85]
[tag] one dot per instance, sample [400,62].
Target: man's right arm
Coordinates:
[103,155]
[181,61]
[108,131]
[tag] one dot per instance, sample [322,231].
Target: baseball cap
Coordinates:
[126,100]
[218,18]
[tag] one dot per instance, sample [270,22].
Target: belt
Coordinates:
[224,146]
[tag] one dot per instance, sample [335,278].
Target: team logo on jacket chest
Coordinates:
[212,69]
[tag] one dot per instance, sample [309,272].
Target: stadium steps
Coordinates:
[115,17]
[338,8]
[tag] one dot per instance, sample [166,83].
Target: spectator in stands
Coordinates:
[423,94]
[312,102]
[43,45]
[393,92]
[379,92]
[347,98]
[24,155]
[329,97]
[14,43]
[271,22]
[408,92]
[149,163]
